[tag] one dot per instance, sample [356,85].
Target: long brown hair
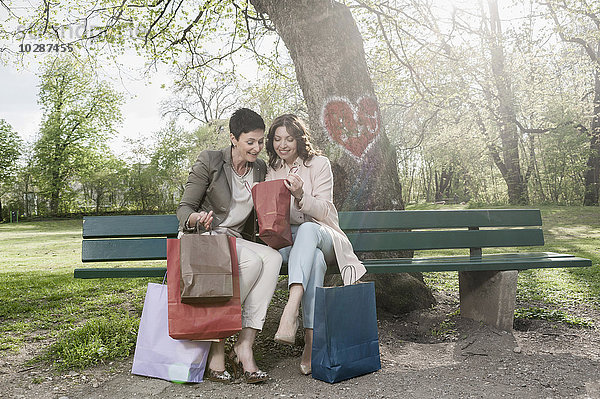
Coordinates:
[296,128]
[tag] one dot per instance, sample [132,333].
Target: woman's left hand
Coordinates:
[294,183]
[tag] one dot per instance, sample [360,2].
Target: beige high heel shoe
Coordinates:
[305,369]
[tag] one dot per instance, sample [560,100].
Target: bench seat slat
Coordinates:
[396,241]
[453,264]
[119,272]
[390,220]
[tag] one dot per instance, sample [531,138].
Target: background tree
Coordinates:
[101,179]
[79,115]
[579,23]
[10,149]
[170,158]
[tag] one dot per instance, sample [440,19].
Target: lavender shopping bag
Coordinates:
[156,353]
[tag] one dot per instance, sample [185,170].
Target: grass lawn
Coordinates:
[40,299]
[90,320]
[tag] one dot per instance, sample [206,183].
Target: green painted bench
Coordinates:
[487,282]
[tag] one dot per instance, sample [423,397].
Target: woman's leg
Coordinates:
[307,351]
[309,240]
[259,271]
[216,356]
[308,307]
[243,349]
[317,275]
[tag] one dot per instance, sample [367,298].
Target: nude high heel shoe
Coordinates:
[305,369]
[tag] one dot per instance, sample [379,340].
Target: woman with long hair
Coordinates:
[318,239]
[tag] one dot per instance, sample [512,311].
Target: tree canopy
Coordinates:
[79,116]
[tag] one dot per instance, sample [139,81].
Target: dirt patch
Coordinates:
[425,354]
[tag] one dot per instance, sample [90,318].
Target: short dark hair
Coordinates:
[245,120]
[296,128]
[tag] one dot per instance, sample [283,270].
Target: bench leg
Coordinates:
[489,296]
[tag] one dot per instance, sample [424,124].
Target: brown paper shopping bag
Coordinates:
[205,268]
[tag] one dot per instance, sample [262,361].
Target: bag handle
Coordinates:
[352,270]
[198,230]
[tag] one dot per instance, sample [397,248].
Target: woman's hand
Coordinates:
[294,183]
[202,218]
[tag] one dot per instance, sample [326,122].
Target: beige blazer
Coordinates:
[317,206]
[208,188]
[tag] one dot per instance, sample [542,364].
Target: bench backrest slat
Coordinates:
[397,241]
[130,226]
[124,249]
[393,220]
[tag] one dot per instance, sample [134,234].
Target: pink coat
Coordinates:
[317,206]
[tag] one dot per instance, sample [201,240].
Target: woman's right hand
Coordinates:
[202,218]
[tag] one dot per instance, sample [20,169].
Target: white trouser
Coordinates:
[259,271]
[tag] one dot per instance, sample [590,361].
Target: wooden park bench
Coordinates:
[487,283]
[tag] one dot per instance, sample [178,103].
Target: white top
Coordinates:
[241,202]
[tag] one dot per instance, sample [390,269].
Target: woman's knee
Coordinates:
[308,228]
[272,258]
[249,260]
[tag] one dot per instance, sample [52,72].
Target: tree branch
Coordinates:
[577,40]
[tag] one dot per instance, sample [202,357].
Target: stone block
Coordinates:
[489,296]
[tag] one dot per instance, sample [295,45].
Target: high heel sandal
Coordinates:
[304,369]
[217,376]
[249,377]
[287,339]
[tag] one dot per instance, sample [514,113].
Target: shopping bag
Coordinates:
[272,204]
[345,338]
[160,356]
[205,268]
[206,320]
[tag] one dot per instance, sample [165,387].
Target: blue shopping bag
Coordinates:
[345,338]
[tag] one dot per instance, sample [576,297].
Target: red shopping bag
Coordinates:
[206,320]
[272,205]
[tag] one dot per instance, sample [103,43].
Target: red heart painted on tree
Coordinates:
[355,128]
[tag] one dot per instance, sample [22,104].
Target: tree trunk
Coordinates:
[592,174]
[328,54]
[442,184]
[344,116]
[54,194]
[515,181]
